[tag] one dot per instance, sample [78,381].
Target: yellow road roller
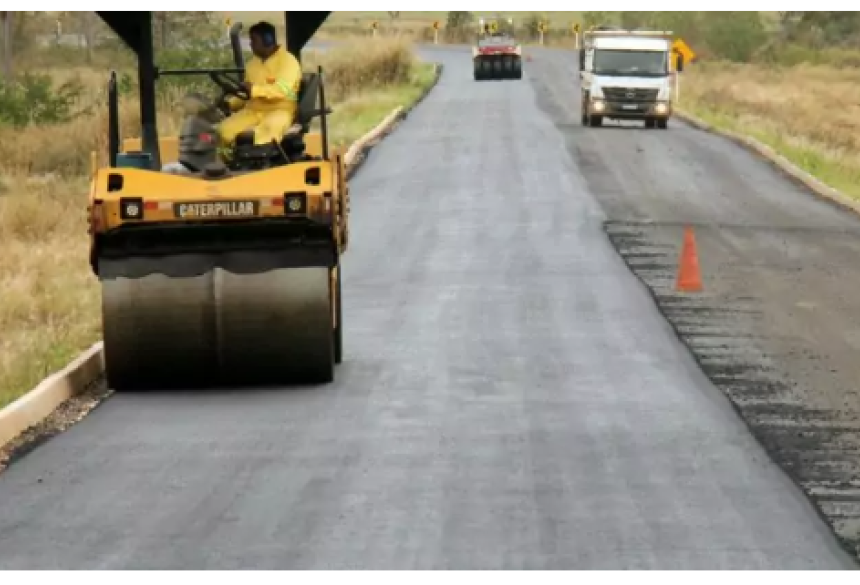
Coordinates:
[218,273]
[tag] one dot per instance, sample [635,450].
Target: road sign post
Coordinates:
[374,26]
[436,33]
[683,53]
[542,30]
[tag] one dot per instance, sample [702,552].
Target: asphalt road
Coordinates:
[777,327]
[511,397]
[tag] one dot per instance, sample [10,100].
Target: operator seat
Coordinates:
[292,142]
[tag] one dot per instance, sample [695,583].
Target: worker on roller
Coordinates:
[272,79]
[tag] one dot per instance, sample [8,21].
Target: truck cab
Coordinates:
[628,75]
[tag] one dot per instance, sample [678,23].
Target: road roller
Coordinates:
[218,272]
[496,55]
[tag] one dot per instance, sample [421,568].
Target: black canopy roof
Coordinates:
[134,28]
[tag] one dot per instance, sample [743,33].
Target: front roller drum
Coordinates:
[508,66]
[498,69]
[276,327]
[219,329]
[517,67]
[338,317]
[157,332]
[486,69]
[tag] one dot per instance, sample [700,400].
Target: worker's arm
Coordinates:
[236,103]
[282,88]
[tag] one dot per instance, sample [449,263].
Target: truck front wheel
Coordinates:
[583,109]
[662,123]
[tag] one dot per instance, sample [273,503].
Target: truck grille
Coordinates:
[625,94]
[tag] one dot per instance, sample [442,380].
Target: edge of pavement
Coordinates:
[793,172]
[87,369]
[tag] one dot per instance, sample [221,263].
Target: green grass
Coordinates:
[360,114]
[827,169]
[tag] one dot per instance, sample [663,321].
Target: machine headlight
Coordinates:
[598,105]
[131,208]
[295,203]
[662,108]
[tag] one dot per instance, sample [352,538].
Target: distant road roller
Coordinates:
[496,55]
[218,273]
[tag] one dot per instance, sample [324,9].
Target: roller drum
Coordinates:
[219,329]
[156,331]
[275,327]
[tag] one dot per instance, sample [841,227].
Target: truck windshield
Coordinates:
[630,63]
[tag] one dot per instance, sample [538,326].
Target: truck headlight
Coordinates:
[598,105]
[662,108]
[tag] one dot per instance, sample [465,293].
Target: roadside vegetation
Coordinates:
[789,79]
[53,115]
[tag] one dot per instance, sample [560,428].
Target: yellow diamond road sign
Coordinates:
[679,46]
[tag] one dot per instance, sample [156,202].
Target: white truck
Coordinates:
[628,75]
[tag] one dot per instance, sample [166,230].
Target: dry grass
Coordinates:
[50,299]
[810,114]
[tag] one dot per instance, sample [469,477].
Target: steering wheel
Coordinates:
[229,85]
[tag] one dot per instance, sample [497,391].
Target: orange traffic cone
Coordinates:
[689,277]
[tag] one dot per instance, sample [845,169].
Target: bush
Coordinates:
[735,36]
[383,62]
[34,99]
[64,147]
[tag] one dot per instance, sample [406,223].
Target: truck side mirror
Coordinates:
[679,63]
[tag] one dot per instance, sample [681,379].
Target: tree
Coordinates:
[827,27]
[170,28]
[735,35]
[86,24]
[457,20]
[394,15]
[7,43]
[590,19]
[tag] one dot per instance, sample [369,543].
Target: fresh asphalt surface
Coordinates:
[510,398]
